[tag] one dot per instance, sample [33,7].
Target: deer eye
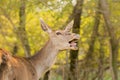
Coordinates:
[58,33]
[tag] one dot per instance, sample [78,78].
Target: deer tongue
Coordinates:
[73,44]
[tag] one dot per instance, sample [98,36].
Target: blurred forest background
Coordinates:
[97,22]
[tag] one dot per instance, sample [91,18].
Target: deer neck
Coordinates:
[45,58]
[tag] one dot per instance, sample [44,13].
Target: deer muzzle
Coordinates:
[73,42]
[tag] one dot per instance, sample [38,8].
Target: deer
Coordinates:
[32,68]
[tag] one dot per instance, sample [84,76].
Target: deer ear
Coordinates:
[69,26]
[44,26]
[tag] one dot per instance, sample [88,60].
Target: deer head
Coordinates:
[62,39]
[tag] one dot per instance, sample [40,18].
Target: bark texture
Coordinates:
[113,40]
[21,29]
[89,55]
[76,27]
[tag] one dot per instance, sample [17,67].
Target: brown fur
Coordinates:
[15,68]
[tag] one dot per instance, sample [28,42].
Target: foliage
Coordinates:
[55,13]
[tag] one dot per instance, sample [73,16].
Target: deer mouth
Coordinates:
[73,44]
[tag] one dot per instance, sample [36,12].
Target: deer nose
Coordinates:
[77,36]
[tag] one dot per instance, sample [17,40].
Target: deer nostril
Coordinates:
[78,36]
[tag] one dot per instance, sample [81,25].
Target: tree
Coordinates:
[76,27]
[98,27]
[89,55]
[113,40]
[21,29]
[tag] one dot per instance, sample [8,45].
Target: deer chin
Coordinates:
[73,44]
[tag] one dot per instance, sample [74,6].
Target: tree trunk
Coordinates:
[113,40]
[89,54]
[21,29]
[101,60]
[76,27]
